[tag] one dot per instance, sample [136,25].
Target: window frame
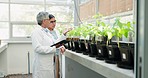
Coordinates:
[11,23]
[11,37]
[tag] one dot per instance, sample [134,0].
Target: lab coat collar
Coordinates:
[44,29]
[47,32]
[50,30]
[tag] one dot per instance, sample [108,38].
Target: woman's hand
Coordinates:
[62,49]
[67,30]
[58,45]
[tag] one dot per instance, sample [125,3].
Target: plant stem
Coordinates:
[118,42]
[107,43]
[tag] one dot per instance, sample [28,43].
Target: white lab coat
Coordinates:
[43,60]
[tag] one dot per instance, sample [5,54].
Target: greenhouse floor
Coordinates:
[19,76]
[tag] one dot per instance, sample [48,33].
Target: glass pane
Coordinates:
[88,10]
[59,2]
[4,0]
[23,30]
[62,13]
[27,1]
[4,12]
[111,7]
[4,30]
[25,12]
[83,1]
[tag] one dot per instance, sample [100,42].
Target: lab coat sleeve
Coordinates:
[37,39]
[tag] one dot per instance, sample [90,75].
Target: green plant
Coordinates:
[84,30]
[76,32]
[104,29]
[97,29]
[122,29]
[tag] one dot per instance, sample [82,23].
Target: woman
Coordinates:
[52,31]
[41,40]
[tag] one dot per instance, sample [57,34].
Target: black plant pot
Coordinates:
[102,51]
[113,54]
[94,50]
[132,48]
[83,47]
[77,46]
[88,45]
[72,45]
[127,56]
[68,45]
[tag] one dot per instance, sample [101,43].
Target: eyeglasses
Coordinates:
[53,21]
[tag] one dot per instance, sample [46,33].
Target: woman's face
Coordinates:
[52,24]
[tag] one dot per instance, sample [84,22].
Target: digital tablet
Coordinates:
[60,42]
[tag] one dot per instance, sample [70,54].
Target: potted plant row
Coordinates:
[95,39]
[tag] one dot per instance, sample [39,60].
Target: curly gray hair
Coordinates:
[42,16]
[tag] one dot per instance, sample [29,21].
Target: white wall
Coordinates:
[17,58]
